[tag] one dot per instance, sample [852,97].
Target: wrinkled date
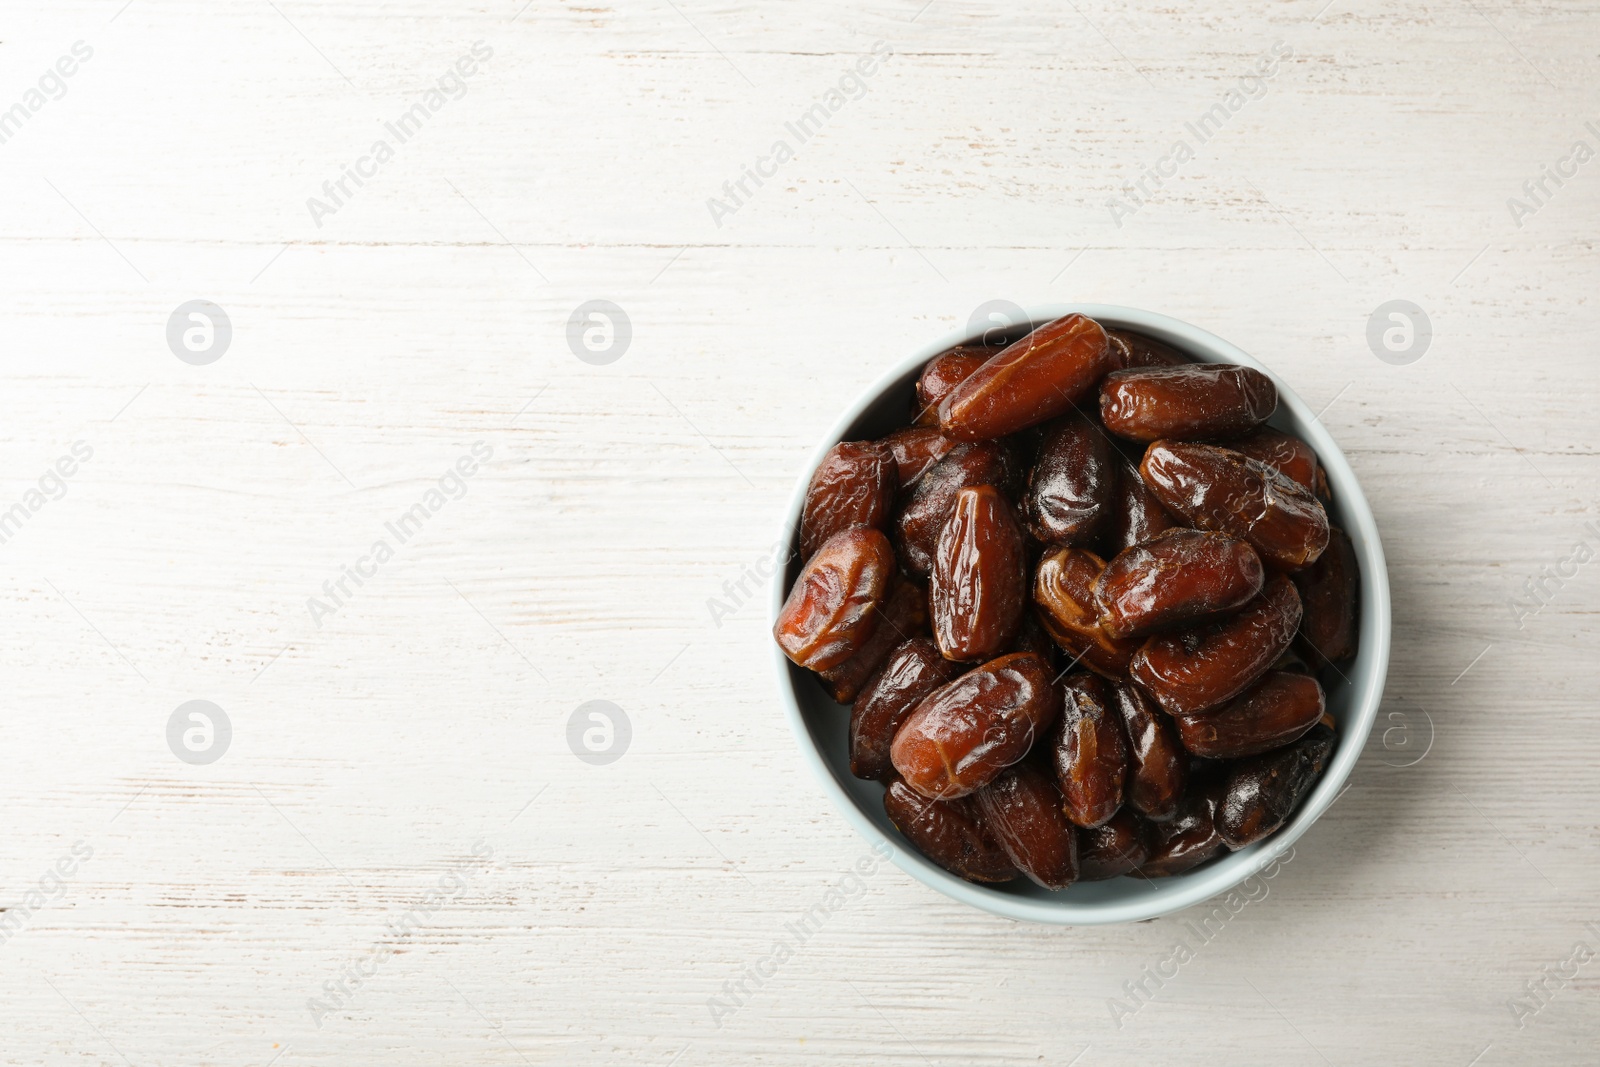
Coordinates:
[1091,755]
[941,375]
[1063,590]
[980,581]
[1041,376]
[1272,713]
[915,450]
[903,614]
[1070,486]
[950,833]
[1136,512]
[1158,768]
[913,670]
[853,486]
[1263,791]
[1126,350]
[1187,839]
[1113,848]
[1197,401]
[1289,456]
[1220,489]
[918,526]
[1180,576]
[1331,590]
[961,736]
[1022,809]
[830,611]
[1194,670]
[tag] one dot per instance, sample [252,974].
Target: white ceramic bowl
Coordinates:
[822,727]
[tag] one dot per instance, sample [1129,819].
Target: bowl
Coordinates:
[821,726]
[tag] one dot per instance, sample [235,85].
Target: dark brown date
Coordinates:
[942,374]
[854,486]
[1220,489]
[1194,670]
[980,578]
[1179,577]
[950,834]
[1063,591]
[1090,752]
[1070,485]
[1272,713]
[1113,848]
[1331,590]
[913,670]
[1186,840]
[902,615]
[1136,512]
[962,735]
[1263,791]
[829,612]
[1158,767]
[915,450]
[1039,377]
[918,526]
[1289,456]
[1197,401]
[1128,350]
[1022,809]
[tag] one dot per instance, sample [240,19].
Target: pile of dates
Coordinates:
[1079,641]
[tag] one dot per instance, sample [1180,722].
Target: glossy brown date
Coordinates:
[1197,401]
[1220,489]
[1071,483]
[1194,670]
[1063,592]
[902,615]
[1158,767]
[854,485]
[1179,577]
[1022,809]
[1289,456]
[1128,350]
[1090,751]
[1263,791]
[1186,840]
[950,834]
[915,450]
[1272,713]
[829,613]
[1037,378]
[918,526]
[912,671]
[1136,512]
[1331,590]
[1113,848]
[962,735]
[941,375]
[980,582]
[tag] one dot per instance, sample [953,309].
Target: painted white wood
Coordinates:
[606,905]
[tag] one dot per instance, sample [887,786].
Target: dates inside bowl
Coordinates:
[1084,609]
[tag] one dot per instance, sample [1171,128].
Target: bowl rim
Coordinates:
[1191,888]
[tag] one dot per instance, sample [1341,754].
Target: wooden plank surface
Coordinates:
[399,858]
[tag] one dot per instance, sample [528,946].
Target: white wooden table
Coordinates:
[397,856]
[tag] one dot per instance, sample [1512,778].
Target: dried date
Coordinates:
[830,612]
[1220,489]
[1039,377]
[962,735]
[980,579]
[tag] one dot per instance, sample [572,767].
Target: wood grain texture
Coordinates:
[417,736]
